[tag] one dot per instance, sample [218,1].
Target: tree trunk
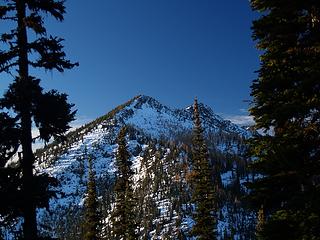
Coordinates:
[29,208]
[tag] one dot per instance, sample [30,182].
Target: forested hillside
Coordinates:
[161,167]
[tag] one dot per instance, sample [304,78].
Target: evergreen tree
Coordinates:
[286,101]
[123,216]
[91,220]
[28,44]
[202,184]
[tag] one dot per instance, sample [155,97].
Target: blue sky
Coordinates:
[172,50]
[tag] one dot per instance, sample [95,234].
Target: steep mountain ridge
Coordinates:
[152,118]
[148,114]
[158,141]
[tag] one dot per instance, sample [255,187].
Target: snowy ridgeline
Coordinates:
[160,166]
[158,120]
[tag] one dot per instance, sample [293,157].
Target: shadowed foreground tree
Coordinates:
[202,184]
[123,216]
[287,102]
[24,103]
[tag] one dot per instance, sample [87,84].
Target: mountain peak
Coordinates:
[144,99]
[157,120]
[152,102]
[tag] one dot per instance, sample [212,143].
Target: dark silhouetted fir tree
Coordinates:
[27,44]
[286,106]
[202,184]
[91,219]
[123,216]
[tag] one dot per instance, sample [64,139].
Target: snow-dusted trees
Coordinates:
[91,218]
[123,215]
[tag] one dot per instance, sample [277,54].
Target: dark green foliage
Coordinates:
[11,196]
[202,184]
[47,50]
[9,138]
[123,216]
[286,224]
[91,219]
[287,101]
[50,123]
[28,44]
[53,123]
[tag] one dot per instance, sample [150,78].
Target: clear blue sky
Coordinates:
[172,50]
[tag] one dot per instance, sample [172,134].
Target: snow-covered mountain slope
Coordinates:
[151,118]
[158,140]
